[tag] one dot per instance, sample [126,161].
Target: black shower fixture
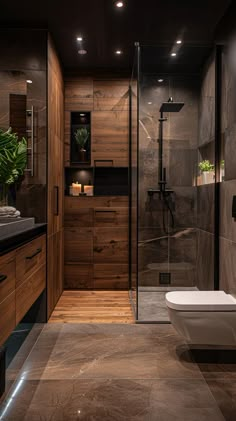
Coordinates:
[165,194]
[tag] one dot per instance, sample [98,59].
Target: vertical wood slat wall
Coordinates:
[108,100]
[96,241]
[55,236]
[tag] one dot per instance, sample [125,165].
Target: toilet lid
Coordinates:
[200,301]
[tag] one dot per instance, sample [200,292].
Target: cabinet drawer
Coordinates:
[28,292]
[29,258]
[111,217]
[7,317]
[79,276]
[111,245]
[111,276]
[7,275]
[78,245]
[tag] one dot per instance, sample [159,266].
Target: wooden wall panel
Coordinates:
[96,233]
[55,178]
[108,100]
[111,245]
[79,276]
[79,245]
[111,95]
[111,276]
[110,123]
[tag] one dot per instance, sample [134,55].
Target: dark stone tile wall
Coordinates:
[205,260]
[206,193]
[228,187]
[159,252]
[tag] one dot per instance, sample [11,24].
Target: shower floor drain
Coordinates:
[164,278]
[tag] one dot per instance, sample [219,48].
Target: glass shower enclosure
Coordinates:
[172,137]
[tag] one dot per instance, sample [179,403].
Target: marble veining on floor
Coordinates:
[117,373]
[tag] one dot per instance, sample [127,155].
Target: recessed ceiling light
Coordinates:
[173,54]
[82,52]
[160,80]
[179,41]
[82,115]
[149,103]
[29,81]
[118,52]
[119,4]
[79,39]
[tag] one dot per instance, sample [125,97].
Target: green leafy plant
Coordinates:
[13,157]
[206,166]
[81,137]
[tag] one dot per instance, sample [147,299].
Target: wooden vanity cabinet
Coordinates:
[22,280]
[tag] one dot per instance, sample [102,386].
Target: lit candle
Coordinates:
[88,190]
[76,189]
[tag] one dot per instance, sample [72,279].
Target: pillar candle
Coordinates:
[76,189]
[88,190]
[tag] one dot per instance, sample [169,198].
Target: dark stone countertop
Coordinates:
[11,242]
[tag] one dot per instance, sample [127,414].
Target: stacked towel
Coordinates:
[9,212]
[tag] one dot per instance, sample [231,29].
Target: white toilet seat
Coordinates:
[200,301]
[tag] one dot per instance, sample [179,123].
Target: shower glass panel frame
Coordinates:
[181,257]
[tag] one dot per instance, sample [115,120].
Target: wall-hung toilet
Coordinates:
[203,317]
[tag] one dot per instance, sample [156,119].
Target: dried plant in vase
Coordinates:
[13,161]
[81,138]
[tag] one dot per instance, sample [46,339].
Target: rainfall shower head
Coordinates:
[171,107]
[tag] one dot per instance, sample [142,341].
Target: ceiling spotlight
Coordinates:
[173,54]
[118,52]
[149,103]
[29,81]
[119,4]
[82,52]
[79,39]
[82,115]
[160,80]
[179,41]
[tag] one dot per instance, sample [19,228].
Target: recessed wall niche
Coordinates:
[80,145]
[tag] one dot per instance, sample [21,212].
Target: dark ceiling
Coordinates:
[106,28]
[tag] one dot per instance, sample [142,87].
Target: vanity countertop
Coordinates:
[11,242]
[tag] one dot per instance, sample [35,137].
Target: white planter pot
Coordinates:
[222,174]
[208,177]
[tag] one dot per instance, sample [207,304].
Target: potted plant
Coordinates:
[81,138]
[13,161]
[208,171]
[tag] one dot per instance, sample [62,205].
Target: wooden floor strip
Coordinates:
[93,307]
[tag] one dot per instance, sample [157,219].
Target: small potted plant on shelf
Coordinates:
[81,138]
[207,171]
[13,161]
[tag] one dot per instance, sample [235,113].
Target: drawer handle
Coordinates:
[100,161]
[56,201]
[105,211]
[3,277]
[34,254]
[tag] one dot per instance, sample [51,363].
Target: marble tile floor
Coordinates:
[151,303]
[117,373]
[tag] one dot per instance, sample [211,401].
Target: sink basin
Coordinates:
[11,226]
